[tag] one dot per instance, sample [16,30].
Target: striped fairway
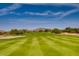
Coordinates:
[58,45]
[35,48]
[40,44]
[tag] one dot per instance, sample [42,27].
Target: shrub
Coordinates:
[56,31]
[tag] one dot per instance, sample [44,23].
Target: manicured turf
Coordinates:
[40,44]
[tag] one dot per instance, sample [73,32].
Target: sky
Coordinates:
[38,15]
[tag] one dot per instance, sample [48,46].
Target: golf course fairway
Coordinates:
[40,44]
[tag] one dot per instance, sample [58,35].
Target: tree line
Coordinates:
[55,30]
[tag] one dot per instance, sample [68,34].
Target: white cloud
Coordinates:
[45,13]
[68,13]
[35,13]
[15,13]
[6,10]
[61,14]
[58,13]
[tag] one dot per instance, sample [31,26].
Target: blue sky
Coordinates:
[42,15]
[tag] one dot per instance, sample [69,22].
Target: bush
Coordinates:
[71,30]
[56,31]
[17,32]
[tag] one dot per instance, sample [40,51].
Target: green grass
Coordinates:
[40,44]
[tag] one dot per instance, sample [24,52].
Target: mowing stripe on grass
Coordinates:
[12,48]
[7,43]
[39,44]
[63,40]
[73,39]
[74,43]
[23,50]
[47,50]
[62,49]
[66,38]
[35,48]
[67,44]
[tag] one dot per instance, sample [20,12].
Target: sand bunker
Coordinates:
[9,37]
[71,34]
